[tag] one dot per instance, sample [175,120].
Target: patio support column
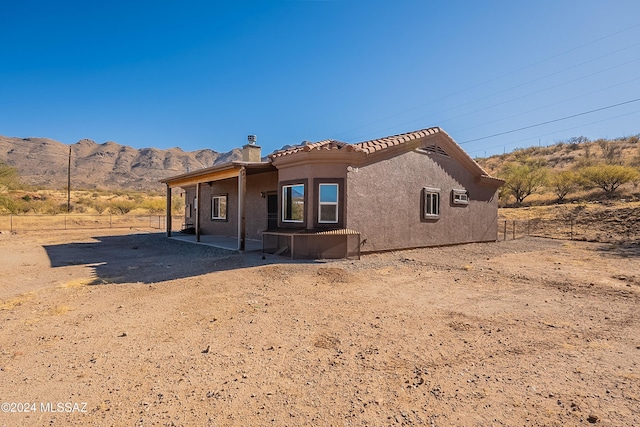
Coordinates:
[168,210]
[198,212]
[242,189]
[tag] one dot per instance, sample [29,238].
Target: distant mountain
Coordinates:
[43,162]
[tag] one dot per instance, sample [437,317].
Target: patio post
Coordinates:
[168,211]
[198,212]
[242,188]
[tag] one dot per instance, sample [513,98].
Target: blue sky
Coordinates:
[205,74]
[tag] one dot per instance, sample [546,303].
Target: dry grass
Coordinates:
[59,310]
[34,222]
[17,301]
[78,283]
[558,211]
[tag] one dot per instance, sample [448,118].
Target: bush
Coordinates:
[563,183]
[523,179]
[121,206]
[606,177]
[155,206]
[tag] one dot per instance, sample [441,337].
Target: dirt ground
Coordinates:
[112,330]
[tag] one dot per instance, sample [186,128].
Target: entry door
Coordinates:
[272,211]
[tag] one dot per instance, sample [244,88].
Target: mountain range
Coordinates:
[44,162]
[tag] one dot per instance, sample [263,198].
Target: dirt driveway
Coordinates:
[138,330]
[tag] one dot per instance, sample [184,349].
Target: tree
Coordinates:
[9,178]
[155,206]
[607,177]
[611,151]
[122,206]
[523,179]
[563,183]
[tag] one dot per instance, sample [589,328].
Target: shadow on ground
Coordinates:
[150,258]
[621,250]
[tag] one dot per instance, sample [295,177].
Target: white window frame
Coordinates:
[335,204]
[284,203]
[431,202]
[459,197]
[222,213]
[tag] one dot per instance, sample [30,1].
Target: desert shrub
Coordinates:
[155,206]
[578,140]
[523,179]
[9,179]
[121,206]
[563,183]
[606,177]
[99,206]
[8,205]
[611,151]
[51,208]
[177,205]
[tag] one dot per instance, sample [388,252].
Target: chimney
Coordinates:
[251,151]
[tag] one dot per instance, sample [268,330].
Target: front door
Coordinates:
[272,211]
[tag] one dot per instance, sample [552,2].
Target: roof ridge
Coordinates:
[377,144]
[325,144]
[366,147]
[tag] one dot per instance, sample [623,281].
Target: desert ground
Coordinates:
[130,328]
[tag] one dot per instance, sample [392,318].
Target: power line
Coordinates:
[550,121]
[555,132]
[571,80]
[547,105]
[496,78]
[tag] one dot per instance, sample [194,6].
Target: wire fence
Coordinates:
[15,223]
[605,229]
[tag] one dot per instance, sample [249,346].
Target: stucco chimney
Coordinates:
[251,152]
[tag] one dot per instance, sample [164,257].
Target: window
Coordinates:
[187,210]
[460,197]
[293,203]
[328,203]
[219,207]
[431,202]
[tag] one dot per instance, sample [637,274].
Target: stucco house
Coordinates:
[331,199]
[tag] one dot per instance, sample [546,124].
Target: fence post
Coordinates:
[528,227]
[11,223]
[514,230]
[505,229]
[571,235]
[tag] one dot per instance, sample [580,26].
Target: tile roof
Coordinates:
[366,147]
[380,144]
[389,141]
[327,144]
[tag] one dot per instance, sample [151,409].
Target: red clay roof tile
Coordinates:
[366,147]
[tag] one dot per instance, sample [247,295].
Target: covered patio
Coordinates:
[228,243]
[238,190]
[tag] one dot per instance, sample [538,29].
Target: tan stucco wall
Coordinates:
[311,172]
[255,207]
[384,203]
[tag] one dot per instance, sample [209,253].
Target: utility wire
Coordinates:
[546,106]
[572,80]
[555,132]
[550,121]
[492,79]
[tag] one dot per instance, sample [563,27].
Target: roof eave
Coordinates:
[318,156]
[212,170]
